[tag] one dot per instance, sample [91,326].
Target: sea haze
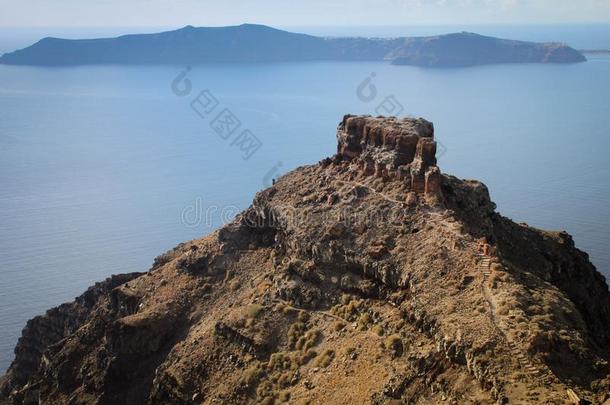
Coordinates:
[101,165]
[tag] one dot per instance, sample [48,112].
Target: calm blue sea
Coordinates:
[104,167]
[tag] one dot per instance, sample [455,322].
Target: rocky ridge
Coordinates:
[370,277]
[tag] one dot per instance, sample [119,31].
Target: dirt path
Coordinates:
[484,266]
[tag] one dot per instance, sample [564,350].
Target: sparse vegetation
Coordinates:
[252,375]
[349,310]
[307,357]
[364,321]
[279,361]
[289,311]
[349,350]
[378,330]
[234,284]
[303,316]
[254,310]
[325,358]
[394,344]
[308,341]
[295,331]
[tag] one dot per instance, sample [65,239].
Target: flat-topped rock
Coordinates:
[390,147]
[357,133]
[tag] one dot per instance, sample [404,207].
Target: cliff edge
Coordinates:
[369,277]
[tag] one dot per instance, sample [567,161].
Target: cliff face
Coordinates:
[368,277]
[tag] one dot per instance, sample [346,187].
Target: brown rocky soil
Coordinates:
[369,277]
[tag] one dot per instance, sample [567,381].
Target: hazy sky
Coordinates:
[88,13]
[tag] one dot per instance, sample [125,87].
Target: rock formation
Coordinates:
[392,149]
[370,277]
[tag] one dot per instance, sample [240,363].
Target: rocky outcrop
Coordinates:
[368,277]
[392,149]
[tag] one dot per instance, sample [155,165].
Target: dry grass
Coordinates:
[253,310]
[394,344]
[338,326]
[325,358]
[378,330]
[364,321]
[295,332]
[309,340]
[252,375]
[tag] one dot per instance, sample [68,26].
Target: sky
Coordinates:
[176,13]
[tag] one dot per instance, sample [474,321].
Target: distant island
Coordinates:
[259,43]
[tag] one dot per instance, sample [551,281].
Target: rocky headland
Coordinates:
[369,277]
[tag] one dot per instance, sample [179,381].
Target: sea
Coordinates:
[102,168]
